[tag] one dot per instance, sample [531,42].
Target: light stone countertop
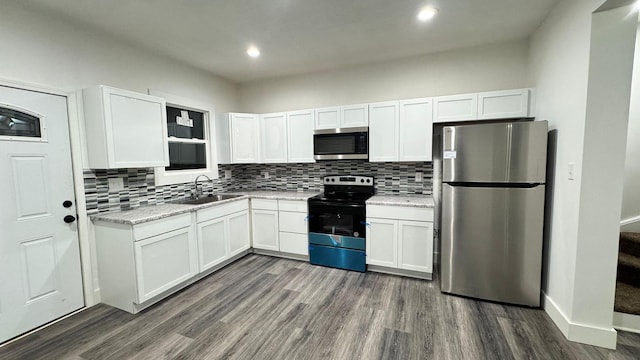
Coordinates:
[424,201]
[156,212]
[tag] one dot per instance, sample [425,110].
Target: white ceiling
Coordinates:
[298,36]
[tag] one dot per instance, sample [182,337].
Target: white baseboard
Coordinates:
[631,224]
[582,333]
[626,322]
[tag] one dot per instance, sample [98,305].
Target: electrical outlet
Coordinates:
[116,184]
[227,174]
[266,174]
[418,176]
[572,171]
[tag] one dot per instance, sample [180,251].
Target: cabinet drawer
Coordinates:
[293,205]
[400,212]
[263,204]
[294,243]
[292,222]
[222,210]
[152,228]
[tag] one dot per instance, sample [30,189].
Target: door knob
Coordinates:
[69,219]
[67,203]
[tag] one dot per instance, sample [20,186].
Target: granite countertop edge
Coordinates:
[150,213]
[422,201]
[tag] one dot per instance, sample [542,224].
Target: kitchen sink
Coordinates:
[206,199]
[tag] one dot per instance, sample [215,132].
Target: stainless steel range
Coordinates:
[337,222]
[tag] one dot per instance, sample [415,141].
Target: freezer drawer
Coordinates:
[514,152]
[492,242]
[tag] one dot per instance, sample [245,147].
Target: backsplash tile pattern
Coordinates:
[140,188]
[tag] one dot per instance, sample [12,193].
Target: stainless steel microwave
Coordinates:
[338,144]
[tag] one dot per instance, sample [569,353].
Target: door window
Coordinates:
[17,123]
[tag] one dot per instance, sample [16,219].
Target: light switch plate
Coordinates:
[227,174]
[116,184]
[418,176]
[266,174]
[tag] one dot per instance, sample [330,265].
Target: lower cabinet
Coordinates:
[164,261]
[280,226]
[400,238]
[140,264]
[223,232]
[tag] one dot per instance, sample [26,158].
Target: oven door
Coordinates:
[337,224]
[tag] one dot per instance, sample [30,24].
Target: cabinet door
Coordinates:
[265,229]
[238,226]
[294,243]
[244,138]
[135,129]
[355,115]
[455,108]
[164,261]
[273,138]
[300,136]
[383,131]
[382,241]
[503,104]
[415,246]
[327,118]
[212,243]
[416,130]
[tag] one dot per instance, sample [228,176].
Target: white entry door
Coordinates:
[40,278]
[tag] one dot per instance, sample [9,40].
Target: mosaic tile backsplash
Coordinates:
[140,188]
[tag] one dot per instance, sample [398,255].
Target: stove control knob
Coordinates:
[368,180]
[361,180]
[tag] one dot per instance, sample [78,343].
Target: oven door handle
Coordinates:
[331,203]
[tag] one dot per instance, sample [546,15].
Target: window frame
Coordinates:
[41,118]
[172,177]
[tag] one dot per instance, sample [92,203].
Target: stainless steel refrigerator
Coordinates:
[493,191]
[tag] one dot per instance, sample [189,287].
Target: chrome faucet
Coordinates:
[196,194]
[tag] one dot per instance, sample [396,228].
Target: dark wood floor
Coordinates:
[267,308]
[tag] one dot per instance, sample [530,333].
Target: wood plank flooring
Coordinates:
[262,307]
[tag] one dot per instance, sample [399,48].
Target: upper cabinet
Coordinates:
[416,130]
[245,138]
[455,108]
[401,130]
[504,104]
[383,131]
[124,129]
[342,117]
[273,138]
[300,136]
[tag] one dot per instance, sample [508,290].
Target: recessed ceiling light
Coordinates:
[427,13]
[253,51]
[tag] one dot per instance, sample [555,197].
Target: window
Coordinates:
[21,124]
[191,141]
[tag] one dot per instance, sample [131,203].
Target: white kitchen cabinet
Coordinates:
[415,251]
[462,107]
[245,138]
[234,231]
[239,236]
[354,115]
[415,130]
[382,242]
[400,237]
[504,104]
[300,126]
[137,263]
[348,116]
[265,229]
[383,131]
[164,261]
[328,118]
[212,243]
[273,138]
[124,129]
[292,219]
